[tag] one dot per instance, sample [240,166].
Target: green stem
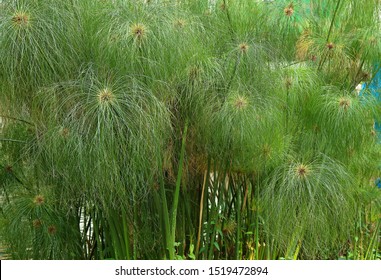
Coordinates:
[234,72]
[166,222]
[231,29]
[12,140]
[126,237]
[16,119]
[333,20]
[117,247]
[159,209]
[206,176]
[239,224]
[322,61]
[135,231]
[355,79]
[256,223]
[373,242]
[97,236]
[177,188]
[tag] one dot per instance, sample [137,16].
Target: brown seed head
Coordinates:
[8,169]
[105,96]
[52,230]
[21,19]
[64,132]
[289,10]
[37,223]
[138,31]
[39,200]
[330,46]
[243,47]
[365,76]
[344,103]
[240,103]
[302,171]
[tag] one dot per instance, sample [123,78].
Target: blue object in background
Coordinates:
[378,183]
[375,85]
[375,89]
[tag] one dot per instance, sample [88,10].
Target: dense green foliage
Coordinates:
[189,129]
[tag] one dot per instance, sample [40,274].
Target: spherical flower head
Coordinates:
[365,76]
[330,46]
[289,10]
[243,48]
[52,230]
[21,19]
[240,102]
[64,132]
[344,103]
[39,200]
[37,223]
[302,171]
[138,31]
[8,169]
[105,96]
